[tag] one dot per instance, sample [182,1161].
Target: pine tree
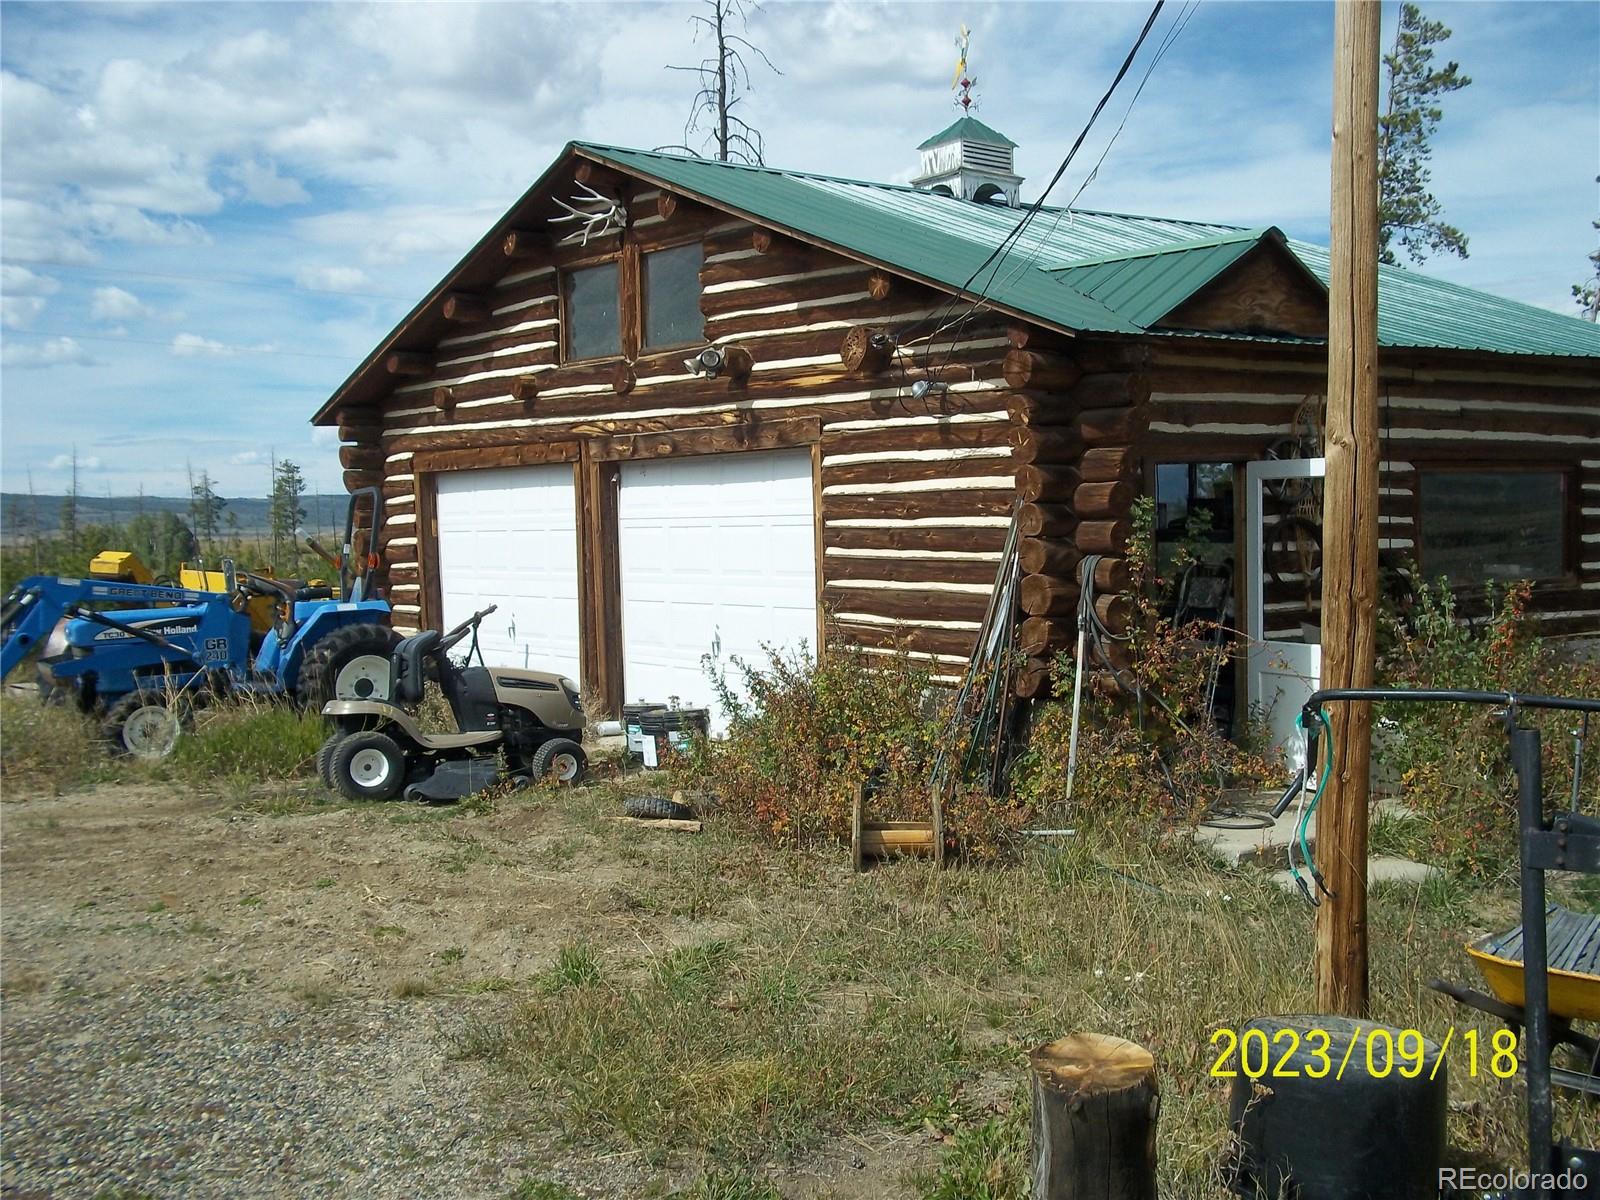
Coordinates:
[285,511]
[205,507]
[1586,295]
[1408,213]
[69,509]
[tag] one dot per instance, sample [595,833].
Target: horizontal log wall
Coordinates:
[915,495]
[1435,414]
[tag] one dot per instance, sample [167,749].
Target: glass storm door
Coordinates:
[1283,601]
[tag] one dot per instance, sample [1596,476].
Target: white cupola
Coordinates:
[971,162]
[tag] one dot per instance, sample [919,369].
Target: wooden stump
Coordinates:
[1095,1103]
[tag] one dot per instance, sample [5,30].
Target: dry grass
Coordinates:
[48,749]
[801,1000]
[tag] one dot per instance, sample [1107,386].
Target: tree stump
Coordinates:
[1095,1103]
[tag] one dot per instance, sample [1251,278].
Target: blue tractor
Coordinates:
[148,662]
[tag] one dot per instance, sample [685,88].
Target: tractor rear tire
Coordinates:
[367,766]
[351,663]
[325,759]
[560,760]
[656,808]
[147,724]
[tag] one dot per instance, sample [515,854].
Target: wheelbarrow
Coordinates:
[1573,942]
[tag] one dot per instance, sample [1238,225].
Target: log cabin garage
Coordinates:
[669,408]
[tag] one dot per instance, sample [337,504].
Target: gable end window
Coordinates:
[592,324]
[637,301]
[1493,525]
[672,314]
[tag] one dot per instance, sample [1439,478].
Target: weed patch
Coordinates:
[49,748]
[249,741]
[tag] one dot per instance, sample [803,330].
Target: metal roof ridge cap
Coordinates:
[1250,236]
[954,289]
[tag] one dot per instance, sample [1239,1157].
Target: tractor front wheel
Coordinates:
[350,663]
[146,724]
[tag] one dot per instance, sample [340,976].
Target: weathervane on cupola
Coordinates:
[962,85]
[969,160]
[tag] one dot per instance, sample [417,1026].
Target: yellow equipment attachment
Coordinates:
[122,565]
[261,609]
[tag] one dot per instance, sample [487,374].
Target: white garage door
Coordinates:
[718,553]
[508,536]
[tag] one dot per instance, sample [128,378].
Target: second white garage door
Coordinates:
[718,553]
[508,536]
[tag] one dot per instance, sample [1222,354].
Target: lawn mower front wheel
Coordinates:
[367,766]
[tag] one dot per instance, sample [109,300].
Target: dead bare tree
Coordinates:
[724,75]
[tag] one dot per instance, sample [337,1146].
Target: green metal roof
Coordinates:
[1085,270]
[972,130]
[1146,286]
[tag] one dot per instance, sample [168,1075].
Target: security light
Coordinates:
[708,363]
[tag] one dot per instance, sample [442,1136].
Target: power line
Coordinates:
[997,255]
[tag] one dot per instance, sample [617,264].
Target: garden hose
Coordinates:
[1307,809]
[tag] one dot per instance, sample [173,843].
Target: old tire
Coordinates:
[367,766]
[351,663]
[559,759]
[656,808]
[325,758]
[146,724]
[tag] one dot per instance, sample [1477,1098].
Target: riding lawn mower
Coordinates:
[516,725]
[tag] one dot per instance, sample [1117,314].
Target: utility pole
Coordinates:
[1350,506]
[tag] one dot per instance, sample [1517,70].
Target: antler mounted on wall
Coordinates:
[597,213]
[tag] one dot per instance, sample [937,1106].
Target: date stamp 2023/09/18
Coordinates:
[1375,1051]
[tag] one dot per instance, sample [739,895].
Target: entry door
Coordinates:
[508,536]
[717,557]
[1283,574]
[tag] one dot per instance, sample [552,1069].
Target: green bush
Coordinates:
[1150,756]
[811,732]
[249,739]
[1452,761]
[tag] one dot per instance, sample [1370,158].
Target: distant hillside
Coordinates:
[323,511]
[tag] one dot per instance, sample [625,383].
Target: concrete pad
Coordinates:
[1244,842]
[1382,868]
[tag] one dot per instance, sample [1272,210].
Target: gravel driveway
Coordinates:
[200,1001]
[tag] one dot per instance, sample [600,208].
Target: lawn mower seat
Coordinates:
[409,665]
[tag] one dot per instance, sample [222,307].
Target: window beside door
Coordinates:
[1478,526]
[1194,508]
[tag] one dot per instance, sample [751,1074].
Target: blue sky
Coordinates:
[212,212]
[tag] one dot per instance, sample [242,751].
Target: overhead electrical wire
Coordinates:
[227,351]
[958,324]
[997,255]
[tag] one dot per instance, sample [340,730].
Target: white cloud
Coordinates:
[52,352]
[23,295]
[260,183]
[249,458]
[332,279]
[63,462]
[192,345]
[115,304]
[324,435]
